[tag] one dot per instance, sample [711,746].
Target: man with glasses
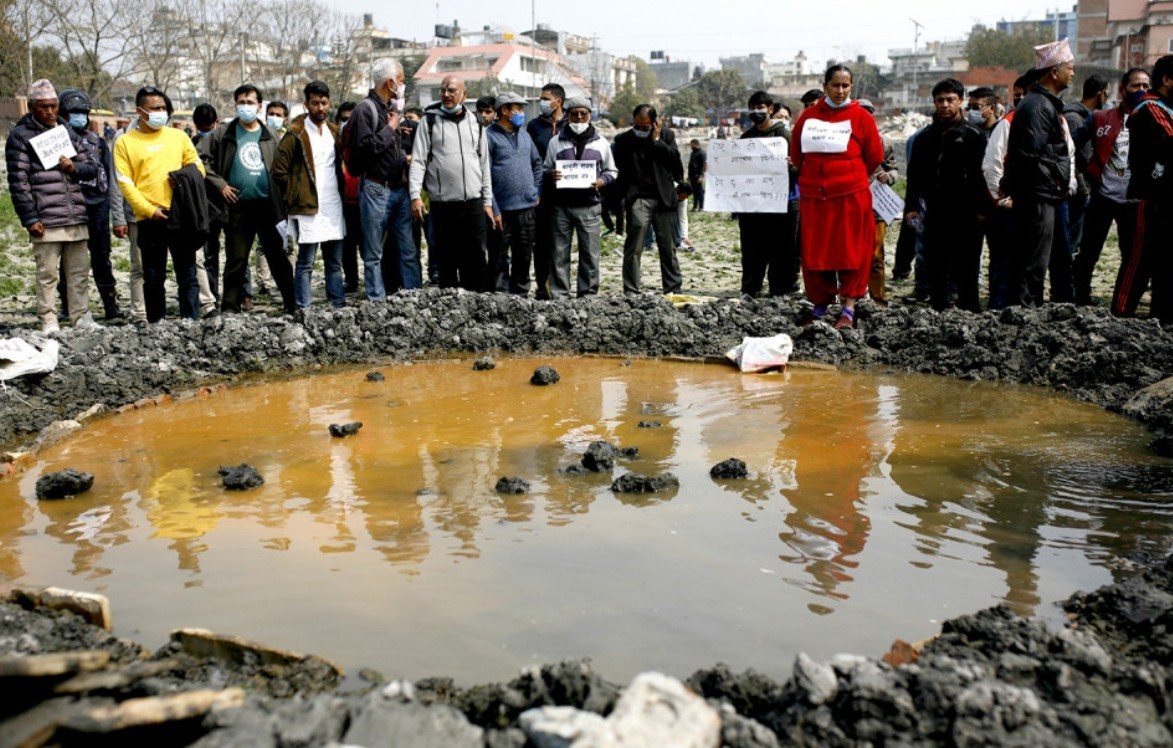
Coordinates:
[982,110]
[450,159]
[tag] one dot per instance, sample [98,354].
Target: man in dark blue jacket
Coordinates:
[50,205]
[516,171]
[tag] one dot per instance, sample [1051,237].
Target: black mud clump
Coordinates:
[63,484]
[650,424]
[512,485]
[486,363]
[730,469]
[544,375]
[341,430]
[375,376]
[633,483]
[242,477]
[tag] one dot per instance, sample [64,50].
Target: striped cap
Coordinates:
[42,90]
[1052,54]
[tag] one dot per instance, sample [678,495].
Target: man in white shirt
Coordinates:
[308,172]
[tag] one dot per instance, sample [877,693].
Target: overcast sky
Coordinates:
[703,30]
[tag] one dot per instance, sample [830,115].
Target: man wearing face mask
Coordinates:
[239,160]
[1039,176]
[982,111]
[945,191]
[144,158]
[383,198]
[517,182]
[52,208]
[551,121]
[1077,113]
[1106,133]
[649,168]
[767,239]
[450,159]
[276,115]
[75,105]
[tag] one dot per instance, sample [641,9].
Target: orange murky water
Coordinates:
[877,507]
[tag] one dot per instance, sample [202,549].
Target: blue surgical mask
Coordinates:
[247,113]
[275,122]
[79,120]
[518,119]
[545,107]
[157,120]
[833,105]
[451,110]
[976,117]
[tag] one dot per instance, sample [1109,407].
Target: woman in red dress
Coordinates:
[836,147]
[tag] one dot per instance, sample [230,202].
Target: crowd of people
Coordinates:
[1038,182]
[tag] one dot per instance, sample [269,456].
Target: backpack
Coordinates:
[355,164]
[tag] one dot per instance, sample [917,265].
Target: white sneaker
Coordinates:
[86,322]
[50,325]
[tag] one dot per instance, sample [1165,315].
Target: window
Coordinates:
[530,65]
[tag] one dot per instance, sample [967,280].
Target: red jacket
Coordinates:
[824,176]
[1104,126]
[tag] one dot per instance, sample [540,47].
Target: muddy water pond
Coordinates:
[877,506]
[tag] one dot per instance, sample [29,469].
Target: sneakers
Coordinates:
[49,325]
[86,322]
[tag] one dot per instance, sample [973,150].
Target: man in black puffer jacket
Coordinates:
[52,208]
[1039,176]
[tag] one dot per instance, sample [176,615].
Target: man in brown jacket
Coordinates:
[308,173]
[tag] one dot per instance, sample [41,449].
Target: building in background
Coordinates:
[672,75]
[752,67]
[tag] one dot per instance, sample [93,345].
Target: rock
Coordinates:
[656,710]
[92,607]
[52,665]
[375,376]
[153,711]
[201,643]
[573,469]
[114,679]
[816,681]
[91,412]
[732,468]
[544,375]
[399,690]
[633,483]
[650,424]
[56,432]
[345,429]
[600,457]
[64,484]
[512,485]
[741,732]
[382,723]
[370,675]
[486,363]
[1153,405]
[559,726]
[241,478]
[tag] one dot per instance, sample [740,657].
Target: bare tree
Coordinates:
[23,21]
[95,35]
[290,29]
[160,45]
[216,45]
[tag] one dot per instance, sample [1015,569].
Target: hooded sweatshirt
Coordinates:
[450,158]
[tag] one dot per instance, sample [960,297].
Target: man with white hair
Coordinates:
[383,201]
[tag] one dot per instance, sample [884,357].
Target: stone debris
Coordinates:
[634,483]
[650,424]
[56,432]
[512,485]
[544,375]
[658,710]
[92,607]
[732,468]
[600,457]
[486,363]
[52,664]
[375,376]
[242,477]
[155,710]
[344,430]
[64,484]
[201,643]
[559,726]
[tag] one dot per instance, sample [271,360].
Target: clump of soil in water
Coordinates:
[345,429]
[242,477]
[512,485]
[63,484]
[544,375]
[729,469]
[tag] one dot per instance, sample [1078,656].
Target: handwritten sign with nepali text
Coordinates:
[576,175]
[748,176]
[51,145]
[886,203]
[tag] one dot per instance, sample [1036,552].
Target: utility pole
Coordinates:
[916,27]
[242,38]
[533,45]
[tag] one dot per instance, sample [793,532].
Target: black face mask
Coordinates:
[758,117]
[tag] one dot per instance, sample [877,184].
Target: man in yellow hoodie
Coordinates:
[143,160]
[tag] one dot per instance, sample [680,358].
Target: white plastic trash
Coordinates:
[18,357]
[762,354]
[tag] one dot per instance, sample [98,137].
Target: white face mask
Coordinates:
[579,127]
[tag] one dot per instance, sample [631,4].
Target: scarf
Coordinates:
[578,140]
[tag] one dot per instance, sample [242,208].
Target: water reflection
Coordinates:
[882,500]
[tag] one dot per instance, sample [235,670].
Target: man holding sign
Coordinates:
[45,171]
[579,161]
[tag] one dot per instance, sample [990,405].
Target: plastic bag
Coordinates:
[762,354]
[19,357]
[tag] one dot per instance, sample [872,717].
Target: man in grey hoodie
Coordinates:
[450,159]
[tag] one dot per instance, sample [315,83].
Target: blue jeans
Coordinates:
[303,273]
[387,210]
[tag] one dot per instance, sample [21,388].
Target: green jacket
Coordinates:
[293,169]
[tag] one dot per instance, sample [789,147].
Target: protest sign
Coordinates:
[825,137]
[51,145]
[886,203]
[748,176]
[576,175]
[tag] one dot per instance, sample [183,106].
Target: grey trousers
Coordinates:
[641,213]
[585,221]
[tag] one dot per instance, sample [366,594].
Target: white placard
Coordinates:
[51,145]
[576,175]
[748,176]
[886,203]
[825,137]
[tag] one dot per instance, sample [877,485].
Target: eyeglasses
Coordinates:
[450,89]
[976,107]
